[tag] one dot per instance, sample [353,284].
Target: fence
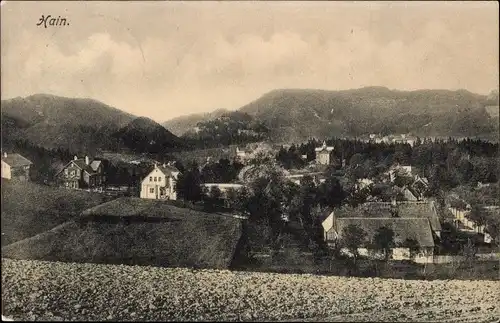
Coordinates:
[450,259]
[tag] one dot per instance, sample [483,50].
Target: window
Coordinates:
[65,171]
[151,190]
[155,178]
[159,179]
[150,178]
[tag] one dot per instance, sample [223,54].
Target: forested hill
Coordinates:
[300,114]
[294,115]
[79,125]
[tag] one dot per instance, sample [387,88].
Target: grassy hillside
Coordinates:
[29,209]
[139,232]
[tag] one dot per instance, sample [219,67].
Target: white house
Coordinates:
[160,184]
[402,169]
[323,154]
[15,167]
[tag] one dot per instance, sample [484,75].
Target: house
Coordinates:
[15,167]
[323,154]
[242,155]
[363,182]
[317,177]
[160,183]
[463,224]
[82,173]
[405,170]
[408,232]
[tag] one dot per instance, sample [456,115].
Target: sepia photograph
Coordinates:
[227,161]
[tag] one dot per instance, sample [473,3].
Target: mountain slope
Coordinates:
[183,124]
[298,114]
[51,121]
[76,124]
[145,135]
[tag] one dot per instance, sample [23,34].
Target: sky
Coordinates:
[166,59]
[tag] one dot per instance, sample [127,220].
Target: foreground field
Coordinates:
[50,291]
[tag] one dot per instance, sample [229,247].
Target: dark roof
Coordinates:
[16,160]
[404,210]
[80,163]
[418,229]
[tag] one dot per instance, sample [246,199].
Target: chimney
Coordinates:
[87,161]
[4,155]
[75,158]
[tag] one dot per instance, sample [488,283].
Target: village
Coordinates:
[393,216]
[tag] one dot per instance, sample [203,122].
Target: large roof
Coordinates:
[425,210]
[91,169]
[16,160]
[404,228]
[81,163]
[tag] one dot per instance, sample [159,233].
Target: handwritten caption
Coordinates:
[50,21]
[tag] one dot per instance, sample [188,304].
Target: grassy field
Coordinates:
[37,290]
[29,209]
[137,232]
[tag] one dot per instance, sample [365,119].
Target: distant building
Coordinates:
[317,178]
[363,182]
[160,183]
[462,222]
[223,187]
[323,154]
[403,169]
[82,173]
[15,167]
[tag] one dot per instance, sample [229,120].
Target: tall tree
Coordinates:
[353,237]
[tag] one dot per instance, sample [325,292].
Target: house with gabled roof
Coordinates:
[160,183]
[418,218]
[82,173]
[15,167]
[409,233]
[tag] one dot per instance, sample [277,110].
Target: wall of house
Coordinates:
[323,158]
[21,173]
[151,184]
[6,173]
[461,215]
[71,176]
